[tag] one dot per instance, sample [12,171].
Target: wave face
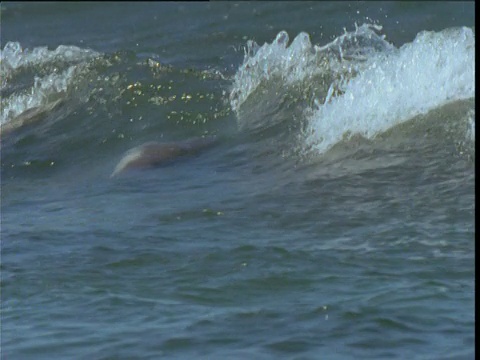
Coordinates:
[47,77]
[359,84]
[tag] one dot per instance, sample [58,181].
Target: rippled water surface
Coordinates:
[331,215]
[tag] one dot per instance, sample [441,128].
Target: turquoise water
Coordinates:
[332,219]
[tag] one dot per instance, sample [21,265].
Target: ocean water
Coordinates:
[332,218]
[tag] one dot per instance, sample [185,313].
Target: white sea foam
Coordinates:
[470,133]
[290,63]
[44,91]
[436,68]
[367,86]
[68,64]
[13,56]
[301,61]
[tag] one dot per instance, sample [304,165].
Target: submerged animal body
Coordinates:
[153,154]
[29,116]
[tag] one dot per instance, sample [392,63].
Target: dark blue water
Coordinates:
[332,218]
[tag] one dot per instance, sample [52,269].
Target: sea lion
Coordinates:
[153,154]
[29,116]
